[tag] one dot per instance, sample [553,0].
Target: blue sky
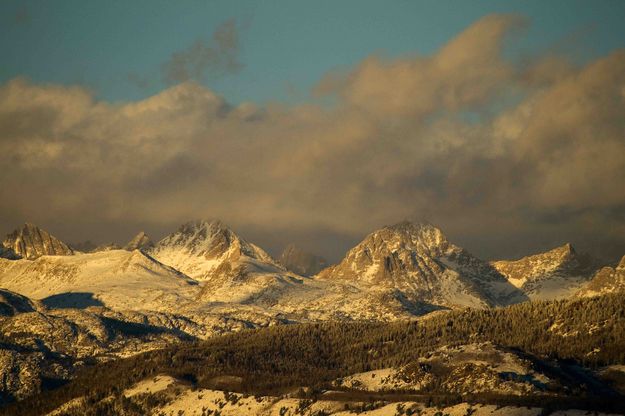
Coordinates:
[285,46]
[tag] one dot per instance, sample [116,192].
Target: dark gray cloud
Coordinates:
[206,58]
[435,137]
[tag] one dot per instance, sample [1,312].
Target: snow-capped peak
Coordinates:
[198,247]
[418,259]
[411,236]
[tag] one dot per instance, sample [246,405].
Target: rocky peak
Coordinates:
[562,260]
[140,242]
[562,254]
[199,248]
[406,235]
[621,264]
[30,242]
[302,262]
[208,238]
[211,239]
[554,274]
[403,243]
[418,260]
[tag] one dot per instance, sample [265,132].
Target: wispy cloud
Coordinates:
[212,57]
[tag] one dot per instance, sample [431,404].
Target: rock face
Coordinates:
[12,303]
[7,253]
[302,262]
[203,249]
[554,274]
[606,280]
[31,242]
[140,242]
[419,261]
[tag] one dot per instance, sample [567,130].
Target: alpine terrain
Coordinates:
[557,273]
[67,314]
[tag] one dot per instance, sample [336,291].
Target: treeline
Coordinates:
[590,332]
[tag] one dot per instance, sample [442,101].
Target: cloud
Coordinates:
[505,157]
[206,58]
[464,73]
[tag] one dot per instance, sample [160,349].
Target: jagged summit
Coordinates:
[419,260]
[536,265]
[302,262]
[553,274]
[419,236]
[199,247]
[141,241]
[210,238]
[392,249]
[31,242]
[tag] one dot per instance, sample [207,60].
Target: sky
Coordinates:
[501,122]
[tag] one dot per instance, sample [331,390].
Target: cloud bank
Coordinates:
[504,157]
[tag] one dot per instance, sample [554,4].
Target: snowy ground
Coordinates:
[199,402]
[152,385]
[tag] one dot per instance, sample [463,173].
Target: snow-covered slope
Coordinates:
[555,274]
[419,261]
[115,278]
[30,242]
[202,249]
[606,280]
[229,268]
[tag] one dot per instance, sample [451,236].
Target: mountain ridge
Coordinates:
[552,274]
[30,241]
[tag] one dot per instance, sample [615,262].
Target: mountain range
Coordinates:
[204,262]
[203,280]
